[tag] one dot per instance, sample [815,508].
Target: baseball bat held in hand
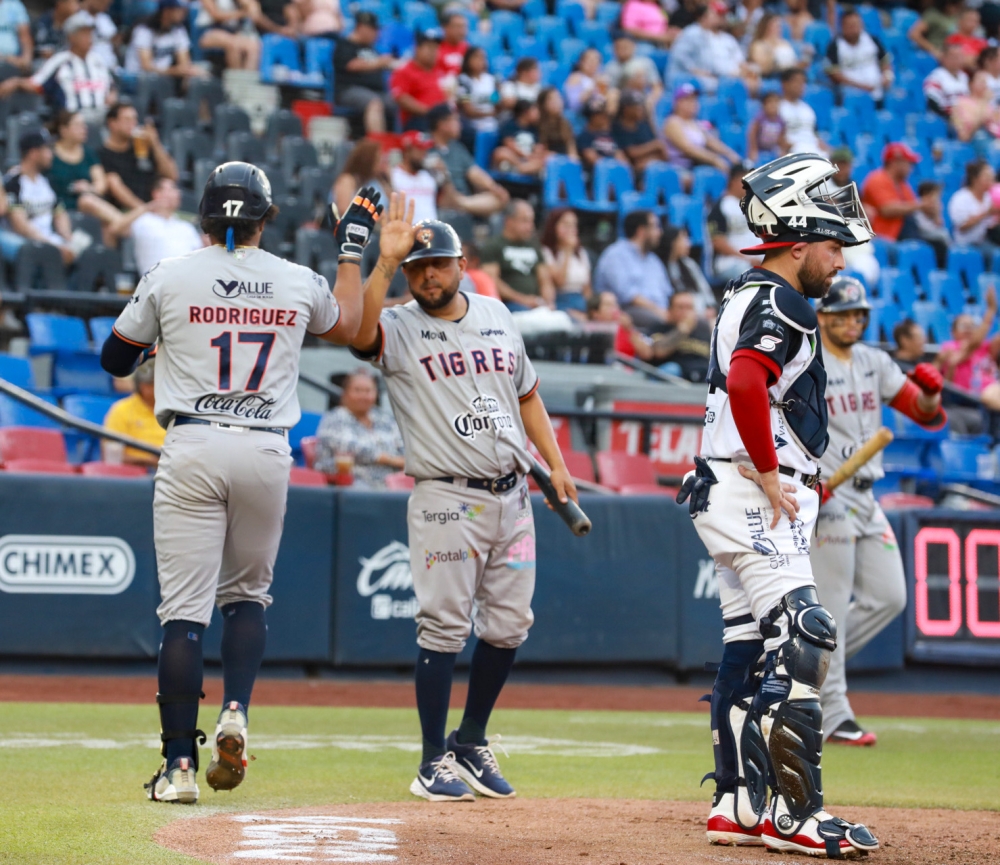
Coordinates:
[570,512]
[857,459]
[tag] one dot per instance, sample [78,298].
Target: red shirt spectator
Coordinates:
[887,195]
[452,50]
[416,86]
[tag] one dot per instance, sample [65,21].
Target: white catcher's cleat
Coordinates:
[822,834]
[175,784]
[229,763]
[724,828]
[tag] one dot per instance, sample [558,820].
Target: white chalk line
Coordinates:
[316,839]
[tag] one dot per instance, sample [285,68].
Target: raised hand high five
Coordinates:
[396,239]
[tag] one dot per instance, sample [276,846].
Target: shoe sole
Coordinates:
[173,796]
[780,845]
[228,773]
[469,777]
[733,839]
[866,741]
[418,789]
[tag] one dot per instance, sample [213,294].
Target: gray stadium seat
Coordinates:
[228,118]
[19,102]
[279,235]
[151,92]
[17,125]
[296,153]
[86,222]
[280,124]
[313,246]
[328,268]
[39,266]
[202,168]
[205,90]
[176,114]
[315,183]
[97,266]
[187,146]
[244,146]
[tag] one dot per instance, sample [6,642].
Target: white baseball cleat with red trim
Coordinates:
[849,733]
[822,834]
[724,829]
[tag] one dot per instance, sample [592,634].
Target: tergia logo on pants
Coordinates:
[441,556]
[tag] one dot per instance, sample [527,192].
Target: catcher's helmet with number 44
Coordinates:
[434,239]
[236,190]
[788,201]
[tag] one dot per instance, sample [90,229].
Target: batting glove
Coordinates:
[928,378]
[354,229]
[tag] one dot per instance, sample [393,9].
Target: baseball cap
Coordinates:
[899,150]
[682,91]
[595,105]
[632,97]
[841,154]
[415,138]
[34,138]
[78,21]
[430,34]
[366,19]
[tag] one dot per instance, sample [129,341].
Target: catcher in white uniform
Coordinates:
[855,558]
[229,321]
[754,503]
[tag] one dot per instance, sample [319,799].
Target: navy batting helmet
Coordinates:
[846,293]
[236,190]
[434,239]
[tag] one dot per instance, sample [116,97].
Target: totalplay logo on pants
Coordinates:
[449,556]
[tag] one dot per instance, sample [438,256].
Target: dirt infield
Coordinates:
[546,832]
[326,692]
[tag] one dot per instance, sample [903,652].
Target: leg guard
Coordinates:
[788,700]
[735,685]
[196,736]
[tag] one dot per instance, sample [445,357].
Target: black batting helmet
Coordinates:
[846,293]
[236,190]
[434,239]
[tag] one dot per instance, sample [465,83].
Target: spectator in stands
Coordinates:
[770,51]
[766,136]
[930,220]
[132,157]
[477,92]
[587,81]
[797,19]
[975,116]
[629,341]
[76,175]
[524,86]
[161,43]
[481,281]
[156,228]
[229,27]
[315,18]
[47,31]
[519,149]
[134,416]
[691,141]
[629,70]
[969,359]
[34,212]
[567,260]
[361,429]
[911,342]
[707,52]
[633,133]
[412,178]
[843,161]
[682,347]
[415,86]
[685,273]
[515,263]
[359,73]
[273,18]
[968,36]
[106,35]
[799,117]
[365,166]
[946,83]
[727,228]
[856,60]
[646,21]
[631,270]
[16,45]
[554,130]
[596,141]
[974,215]
[938,21]
[469,188]
[989,64]
[451,52]
[75,79]
[509,5]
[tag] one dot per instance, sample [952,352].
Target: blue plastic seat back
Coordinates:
[611,179]
[14,413]
[52,332]
[17,371]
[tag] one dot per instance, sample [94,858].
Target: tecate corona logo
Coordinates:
[65,565]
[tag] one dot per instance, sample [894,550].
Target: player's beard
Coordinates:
[440,302]
[815,281]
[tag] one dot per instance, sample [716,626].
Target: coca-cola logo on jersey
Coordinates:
[251,406]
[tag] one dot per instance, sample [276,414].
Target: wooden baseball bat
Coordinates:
[571,513]
[857,459]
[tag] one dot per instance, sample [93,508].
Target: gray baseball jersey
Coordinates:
[455,388]
[230,328]
[855,393]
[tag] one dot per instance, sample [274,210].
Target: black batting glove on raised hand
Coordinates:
[354,229]
[697,485]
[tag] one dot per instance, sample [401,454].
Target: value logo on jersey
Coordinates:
[65,565]
[236,288]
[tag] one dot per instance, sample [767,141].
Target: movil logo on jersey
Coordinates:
[485,415]
[388,571]
[65,565]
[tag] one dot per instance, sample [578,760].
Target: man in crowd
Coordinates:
[633,133]
[451,51]
[132,162]
[514,261]
[707,52]
[468,187]
[76,79]
[416,85]
[519,150]
[524,86]
[48,30]
[628,70]
[412,179]
[16,45]
[855,60]
[686,339]
[911,342]
[843,161]
[359,72]
[948,82]
[134,416]
[631,270]
[799,117]
[727,226]
[156,228]
[596,141]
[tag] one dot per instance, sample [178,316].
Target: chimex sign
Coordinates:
[65,565]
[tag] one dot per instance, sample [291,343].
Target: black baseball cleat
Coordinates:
[849,733]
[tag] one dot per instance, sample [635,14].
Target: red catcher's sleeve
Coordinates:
[751,407]
[906,402]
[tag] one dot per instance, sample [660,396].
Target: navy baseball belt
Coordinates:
[182,419]
[862,484]
[492,485]
[806,480]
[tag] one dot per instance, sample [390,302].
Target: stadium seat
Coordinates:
[17,126]
[316,185]
[279,235]
[420,16]
[81,446]
[17,371]
[76,366]
[281,124]
[573,12]
[905,429]
[228,118]
[734,93]
[862,108]
[617,469]
[944,288]
[611,179]
[917,258]
[278,51]
[243,146]
[563,185]
[550,31]
[152,90]
[568,51]
[399,482]
[308,447]
[820,100]
[491,43]
[319,57]
[303,477]
[296,153]
[99,469]
[689,212]
[307,426]
[176,113]
[205,90]
[16,414]
[39,267]
[509,26]
[39,467]
[595,34]
[647,490]
[707,183]
[898,287]
[967,264]
[661,181]
[51,332]
[885,251]
[934,319]
[96,267]
[20,443]
[579,465]
[86,223]
[904,502]
[187,146]
[313,246]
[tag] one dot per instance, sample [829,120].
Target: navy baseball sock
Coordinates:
[244,635]
[489,671]
[180,674]
[434,672]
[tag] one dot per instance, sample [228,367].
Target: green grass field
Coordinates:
[71,775]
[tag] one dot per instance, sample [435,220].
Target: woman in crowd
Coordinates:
[312,18]
[586,80]
[364,167]
[554,130]
[231,29]
[359,429]
[770,51]
[477,92]
[161,44]
[684,272]
[975,116]
[974,215]
[691,141]
[568,261]
[646,21]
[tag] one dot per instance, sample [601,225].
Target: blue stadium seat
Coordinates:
[985,282]
[319,58]
[898,286]
[966,460]
[909,458]
[563,185]
[885,251]
[307,426]
[528,46]
[631,201]
[689,212]
[933,319]
[509,26]
[957,153]
[608,13]
[821,100]
[503,66]
[862,106]
[903,19]
[277,50]
[534,9]
[550,30]
[572,12]
[734,92]
[594,33]
[419,16]
[734,135]
[898,101]
[817,34]
[967,264]
[611,179]
[662,182]
[50,332]
[945,288]
[14,413]
[486,143]
[491,43]
[916,257]
[872,19]
[76,366]
[569,51]
[83,447]
[843,128]
[17,371]
[708,183]
[100,329]
[931,128]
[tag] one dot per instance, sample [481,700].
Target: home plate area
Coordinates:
[546,832]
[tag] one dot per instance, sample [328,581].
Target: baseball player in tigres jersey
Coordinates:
[855,559]
[464,395]
[754,504]
[229,321]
